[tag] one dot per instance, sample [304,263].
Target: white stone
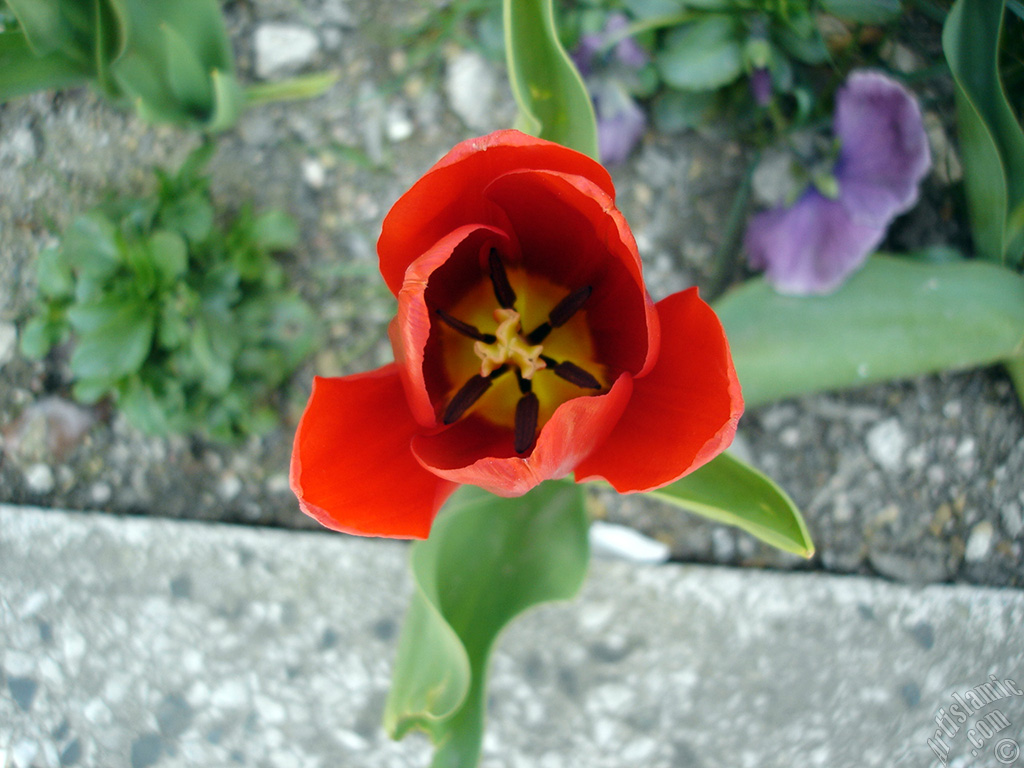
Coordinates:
[887,443]
[39,478]
[470,84]
[100,493]
[313,173]
[1013,524]
[229,486]
[613,540]
[398,126]
[23,754]
[8,342]
[979,542]
[283,48]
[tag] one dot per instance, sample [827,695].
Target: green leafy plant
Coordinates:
[170,59]
[189,326]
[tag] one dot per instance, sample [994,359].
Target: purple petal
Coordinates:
[585,52]
[811,247]
[761,86]
[620,123]
[627,51]
[884,150]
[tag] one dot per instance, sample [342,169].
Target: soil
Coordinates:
[915,480]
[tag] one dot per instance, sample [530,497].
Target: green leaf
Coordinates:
[42,23]
[487,560]
[115,337]
[703,55]
[53,275]
[191,215]
[728,491]
[90,245]
[189,81]
[169,255]
[991,139]
[893,319]
[552,99]
[38,336]
[677,111]
[864,11]
[22,71]
[275,230]
[91,390]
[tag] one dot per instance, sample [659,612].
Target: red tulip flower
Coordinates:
[526,348]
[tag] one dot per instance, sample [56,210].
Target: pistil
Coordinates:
[509,347]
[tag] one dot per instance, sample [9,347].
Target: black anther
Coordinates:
[499,279]
[465,328]
[527,410]
[569,306]
[471,391]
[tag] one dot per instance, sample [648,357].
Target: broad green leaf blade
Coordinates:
[168,254]
[189,81]
[991,139]
[864,11]
[487,560]
[704,55]
[22,72]
[893,319]
[728,491]
[552,99]
[116,347]
[42,23]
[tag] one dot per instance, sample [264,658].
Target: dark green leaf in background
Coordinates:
[487,560]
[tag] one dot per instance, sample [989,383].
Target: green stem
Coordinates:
[292,89]
[647,25]
[728,250]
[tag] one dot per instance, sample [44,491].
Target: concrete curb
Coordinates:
[140,641]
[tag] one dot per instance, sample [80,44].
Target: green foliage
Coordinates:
[728,491]
[487,560]
[552,99]
[990,136]
[171,59]
[189,326]
[895,318]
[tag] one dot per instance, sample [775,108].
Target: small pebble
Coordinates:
[979,542]
[886,444]
[313,173]
[283,49]
[8,342]
[39,478]
[1013,524]
[470,84]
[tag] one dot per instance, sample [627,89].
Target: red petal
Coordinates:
[683,413]
[477,452]
[410,330]
[450,194]
[351,464]
[570,231]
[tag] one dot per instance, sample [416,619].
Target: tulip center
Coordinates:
[543,376]
[509,347]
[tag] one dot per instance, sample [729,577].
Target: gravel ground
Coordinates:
[916,481]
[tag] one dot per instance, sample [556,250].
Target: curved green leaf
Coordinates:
[552,99]
[991,139]
[728,491]
[115,341]
[893,319]
[487,560]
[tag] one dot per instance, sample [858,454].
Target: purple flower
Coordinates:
[620,121]
[812,246]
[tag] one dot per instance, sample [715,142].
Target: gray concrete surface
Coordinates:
[141,641]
